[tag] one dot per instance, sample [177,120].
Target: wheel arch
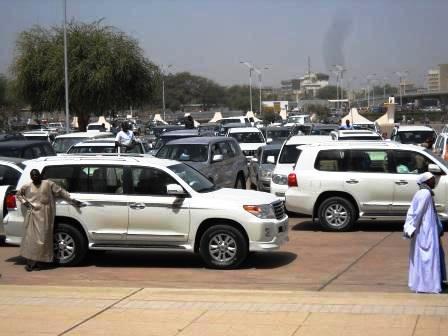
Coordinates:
[327,194]
[209,222]
[72,222]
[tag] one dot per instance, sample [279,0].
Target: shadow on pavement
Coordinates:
[370,226]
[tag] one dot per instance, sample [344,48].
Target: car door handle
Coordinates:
[401,182]
[352,181]
[137,206]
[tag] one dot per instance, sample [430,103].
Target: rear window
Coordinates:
[184,152]
[331,160]
[289,154]
[415,137]
[248,137]
[11,152]
[62,145]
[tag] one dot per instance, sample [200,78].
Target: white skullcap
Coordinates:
[422,178]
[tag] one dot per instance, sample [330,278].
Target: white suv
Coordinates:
[141,203]
[249,138]
[287,158]
[345,181]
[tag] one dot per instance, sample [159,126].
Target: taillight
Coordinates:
[11,201]
[292,180]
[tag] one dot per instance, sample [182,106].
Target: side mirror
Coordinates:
[434,169]
[270,159]
[217,158]
[254,159]
[269,140]
[174,190]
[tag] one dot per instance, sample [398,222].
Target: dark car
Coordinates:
[262,165]
[173,135]
[27,149]
[275,134]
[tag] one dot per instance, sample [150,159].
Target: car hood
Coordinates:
[200,166]
[241,196]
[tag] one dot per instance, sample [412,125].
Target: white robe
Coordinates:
[426,257]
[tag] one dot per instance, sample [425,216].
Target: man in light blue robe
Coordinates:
[426,257]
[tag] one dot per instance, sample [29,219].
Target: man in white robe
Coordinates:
[426,257]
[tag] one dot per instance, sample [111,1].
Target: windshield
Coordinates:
[277,134]
[94,127]
[248,137]
[104,149]
[415,137]
[298,119]
[184,152]
[62,145]
[36,137]
[437,158]
[289,154]
[270,152]
[193,178]
[10,152]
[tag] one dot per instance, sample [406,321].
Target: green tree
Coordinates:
[329,92]
[107,70]
[238,97]
[3,88]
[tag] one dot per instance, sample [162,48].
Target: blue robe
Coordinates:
[426,257]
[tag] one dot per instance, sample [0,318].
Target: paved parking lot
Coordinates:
[371,258]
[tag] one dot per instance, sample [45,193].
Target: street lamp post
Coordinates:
[258,71]
[67,113]
[251,68]
[369,80]
[164,69]
[401,75]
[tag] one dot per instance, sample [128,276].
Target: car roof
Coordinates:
[414,128]
[378,144]
[307,139]
[181,132]
[199,140]
[21,143]
[102,158]
[276,128]
[83,135]
[244,130]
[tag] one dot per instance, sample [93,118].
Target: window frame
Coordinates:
[131,188]
[344,160]
[367,150]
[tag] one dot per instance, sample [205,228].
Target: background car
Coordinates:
[355,135]
[63,142]
[262,165]
[218,158]
[104,145]
[275,134]
[441,146]
[415,135]
[27,149]
[249,139]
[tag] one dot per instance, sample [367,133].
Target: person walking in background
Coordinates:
[125,138]
[427,270]
[39,197]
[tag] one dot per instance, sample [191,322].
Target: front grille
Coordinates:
[249,152]
[279,209]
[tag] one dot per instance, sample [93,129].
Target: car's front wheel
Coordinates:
[336,214]
[70,246]
[223,247]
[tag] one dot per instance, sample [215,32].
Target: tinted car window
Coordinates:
[11,152]
[289,154]
[409,162]
[38,151]
[184,152]
[368,161]
[331,160]
[28,153]
[414,137]
[62,175]
[8,175]
[225,150]
[150,181]
[270,152]
[62,145]
[248,137]
[234,147]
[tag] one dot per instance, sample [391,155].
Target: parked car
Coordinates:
[441,146]
[98,127]
[292,120]
[27,149]
[218,158]
[275,134]
[287,158]
[57,127]
[104,145]
[416,135]
[233,120]
[224,129]
[342,182]
[11,136]
[149,204]
[355,135]
[10,170]
[323,129]
[166,137]
[63,142]
[262,165]
[39,135]
[249,139]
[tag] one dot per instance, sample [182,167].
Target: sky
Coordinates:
[375,38]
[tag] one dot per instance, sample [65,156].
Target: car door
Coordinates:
[217,167]
[154,216]
[408,165]
[368,180]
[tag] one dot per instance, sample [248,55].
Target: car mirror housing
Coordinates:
[270,159]
[175,190]
[217,158]
[434,169]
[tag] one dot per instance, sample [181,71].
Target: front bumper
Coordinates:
[280,237]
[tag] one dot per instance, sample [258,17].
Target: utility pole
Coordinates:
[401,75]
[67,112]
[258,71]
[164,69]
[251,68]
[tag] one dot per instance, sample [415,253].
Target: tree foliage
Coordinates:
[330,92]
[106,68]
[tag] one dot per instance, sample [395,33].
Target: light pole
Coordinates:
[401,75]
[67,113]
[384,88]
[258,71]
[369,79]
[339,76]
[251,68]
[164,69]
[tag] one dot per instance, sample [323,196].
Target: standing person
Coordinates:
[125,138]
[426,258]
[189,122]
[39,197]
[347,125]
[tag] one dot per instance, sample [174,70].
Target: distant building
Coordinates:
[437,79]
[407,87]
[312,82]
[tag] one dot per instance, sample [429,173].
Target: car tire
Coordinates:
[229,256]
[70,246]
[336,214]
[240,182]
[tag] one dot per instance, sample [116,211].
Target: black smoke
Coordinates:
[334,40]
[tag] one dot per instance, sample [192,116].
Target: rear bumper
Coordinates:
[299,202]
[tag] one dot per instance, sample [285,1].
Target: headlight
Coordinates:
[280,179]
[264,211]
[265,174]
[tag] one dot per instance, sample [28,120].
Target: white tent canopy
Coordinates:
[355,118]
[251,114]
[217,116]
